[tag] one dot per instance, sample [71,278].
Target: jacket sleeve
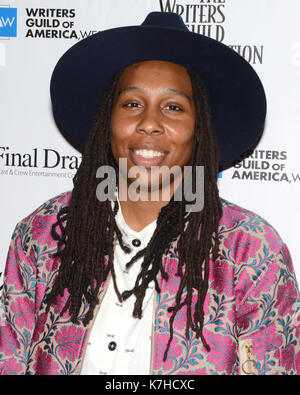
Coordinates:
[18,305]
[269,321]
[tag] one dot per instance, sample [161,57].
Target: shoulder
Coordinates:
[37,225]
[246,234]
[252,249]
[263,276]
[32,246]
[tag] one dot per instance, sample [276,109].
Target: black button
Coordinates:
[136,242]
[112,346]
[126,294]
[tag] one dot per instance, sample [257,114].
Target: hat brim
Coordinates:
[237,95]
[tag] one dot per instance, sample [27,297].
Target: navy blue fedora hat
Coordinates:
[237,95]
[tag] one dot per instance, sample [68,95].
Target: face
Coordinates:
[153,118]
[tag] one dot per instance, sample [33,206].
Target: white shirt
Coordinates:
[119,343]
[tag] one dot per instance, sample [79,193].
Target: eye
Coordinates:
[174,107]
[131,105]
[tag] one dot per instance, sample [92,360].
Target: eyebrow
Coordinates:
[166,90]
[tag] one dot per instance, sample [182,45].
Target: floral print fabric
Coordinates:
[252,319]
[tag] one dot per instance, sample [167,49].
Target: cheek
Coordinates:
[115,128]
[116,144]
[188,135]
[183,142]
[121,127]
[185,152]
[119,136]
[118,148]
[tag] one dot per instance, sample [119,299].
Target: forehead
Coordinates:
[156,73]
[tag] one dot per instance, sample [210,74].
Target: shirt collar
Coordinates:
[127,232]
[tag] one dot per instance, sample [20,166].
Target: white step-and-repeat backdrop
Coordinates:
[36,163]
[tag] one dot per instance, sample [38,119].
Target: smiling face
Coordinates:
[153,116]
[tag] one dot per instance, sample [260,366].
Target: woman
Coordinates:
[113,286]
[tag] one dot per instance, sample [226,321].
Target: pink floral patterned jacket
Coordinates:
[252,320]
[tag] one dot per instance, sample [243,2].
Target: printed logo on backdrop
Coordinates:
[265,165]
[38,162]
[8,29]
[8,22]
[207,17]
[53,23]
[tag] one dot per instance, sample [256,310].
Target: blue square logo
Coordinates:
[8,22]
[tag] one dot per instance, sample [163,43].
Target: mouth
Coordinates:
[147,157]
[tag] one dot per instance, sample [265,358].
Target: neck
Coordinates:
[143,207]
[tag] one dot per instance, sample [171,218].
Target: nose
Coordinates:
[150,122]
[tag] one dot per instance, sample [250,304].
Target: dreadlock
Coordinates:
[88,228]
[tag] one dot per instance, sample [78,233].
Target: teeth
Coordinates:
[148,153]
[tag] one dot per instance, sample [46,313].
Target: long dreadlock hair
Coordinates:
[87,227]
